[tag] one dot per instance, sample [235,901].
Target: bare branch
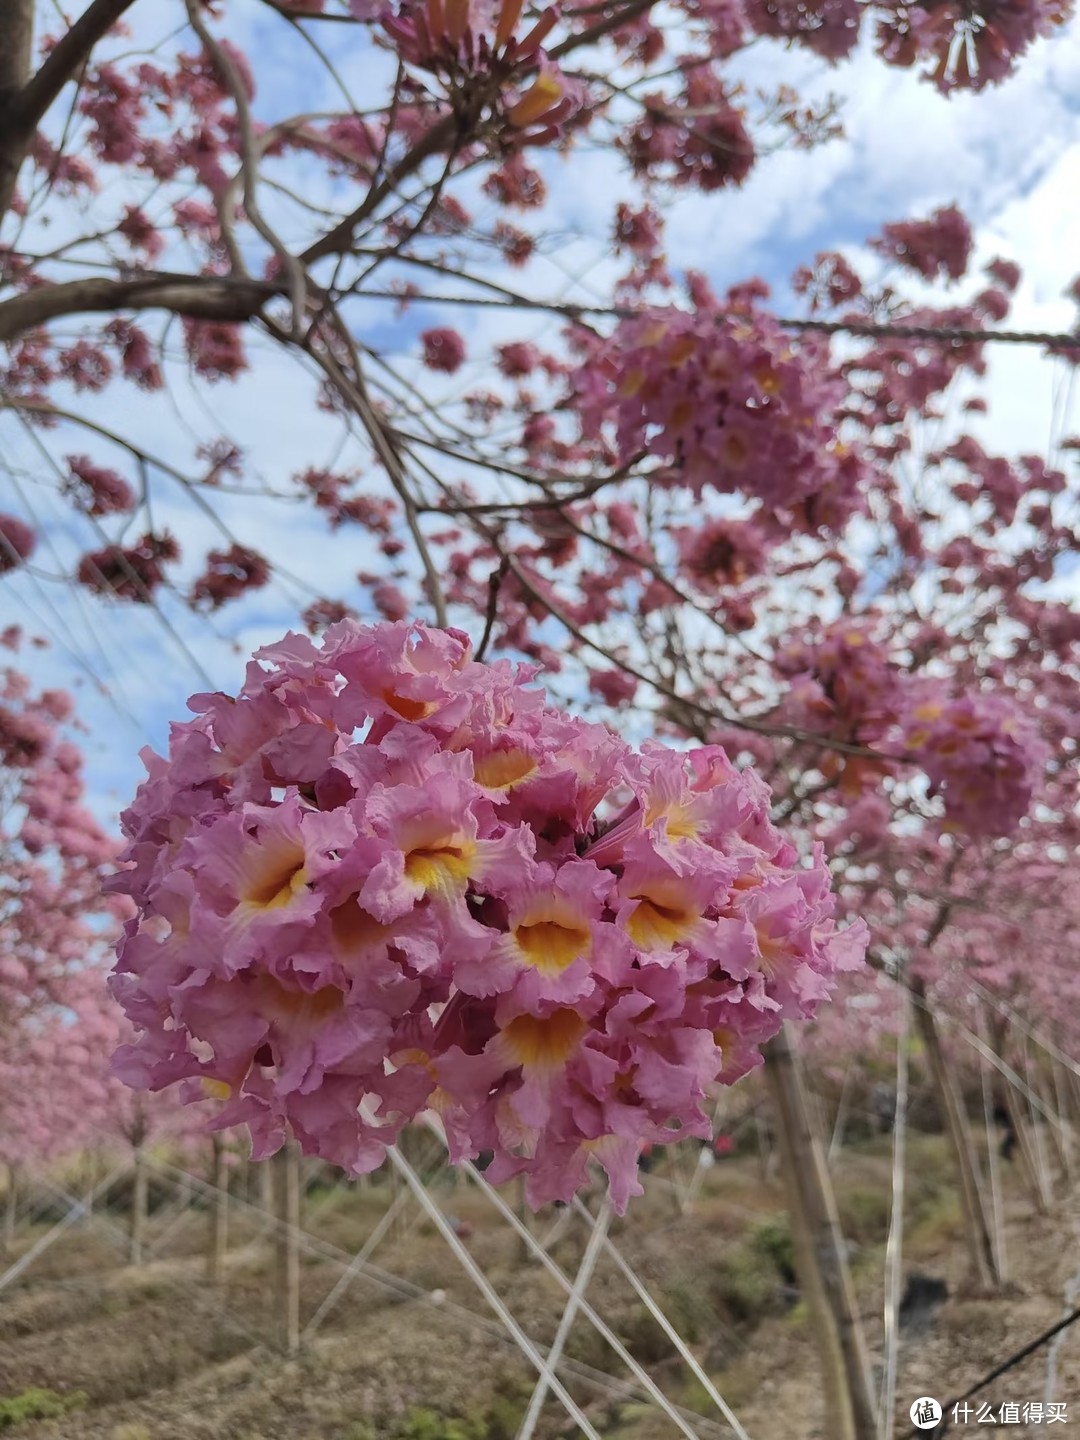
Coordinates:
[205,297]
[24,101]
[440,137]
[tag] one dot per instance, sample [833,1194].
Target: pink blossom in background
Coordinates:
[443,349]
[17,542]
[723,398]
[981,754]
[386,878]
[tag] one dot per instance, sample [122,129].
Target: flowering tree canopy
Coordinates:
[54,925]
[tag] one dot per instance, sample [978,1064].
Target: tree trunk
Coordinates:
[138,1209]
[218,1237]
[984,1268]
[1018,1111]
[286,1173]
[819,1253]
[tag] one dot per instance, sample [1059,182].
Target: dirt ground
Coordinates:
[92,1348]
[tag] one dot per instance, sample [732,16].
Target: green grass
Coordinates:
[37,1404]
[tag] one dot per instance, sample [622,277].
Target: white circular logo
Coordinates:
[925,1413]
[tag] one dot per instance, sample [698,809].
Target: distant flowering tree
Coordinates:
[55,926]
[386,878]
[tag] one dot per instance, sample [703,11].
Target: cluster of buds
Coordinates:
[387,879]
[471,46]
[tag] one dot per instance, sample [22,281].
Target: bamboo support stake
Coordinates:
[286,1177]
[1061,1099]
[570,1310]
[1042,1163]
[265,1176]
[11,1205]
[218,1238]
[139,1197]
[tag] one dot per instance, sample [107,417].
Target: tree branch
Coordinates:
[205,297]
[24,101]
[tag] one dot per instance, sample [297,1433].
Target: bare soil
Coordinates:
[411,1352]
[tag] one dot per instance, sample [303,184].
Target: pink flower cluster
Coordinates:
[982,755]
[723,397]
[846,678]
[969,43]
[95,489]
[17,542]
[386,878]
[939,246]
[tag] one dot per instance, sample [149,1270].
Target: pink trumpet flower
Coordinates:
[462,900]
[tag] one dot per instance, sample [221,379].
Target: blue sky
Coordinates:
[1010,158]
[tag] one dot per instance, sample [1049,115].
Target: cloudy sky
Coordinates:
[1010,158]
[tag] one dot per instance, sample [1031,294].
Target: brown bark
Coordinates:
[984,1267]
[25,98]
[16,52]
[204,297]
[819,1253]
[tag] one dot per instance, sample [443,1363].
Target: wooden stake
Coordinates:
[286,1174]
[218,1237]
[11,1207]
[1065,1138]
[139,1195]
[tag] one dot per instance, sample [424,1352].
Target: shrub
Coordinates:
[37,1404]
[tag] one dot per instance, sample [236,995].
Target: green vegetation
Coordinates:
[497,1421]
[37,1404]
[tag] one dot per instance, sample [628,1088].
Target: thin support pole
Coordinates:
[11,1205]
[836,1140]
[218,1237]
[139,1199]
[894,1247]
[77,1210]
[1061,1100]
[483,1284]
[569,1315]
[976,1224]
[1046,1184]
[286,1165]
[641,1376]
[685,1354]
[357,1263]
[993,1166]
